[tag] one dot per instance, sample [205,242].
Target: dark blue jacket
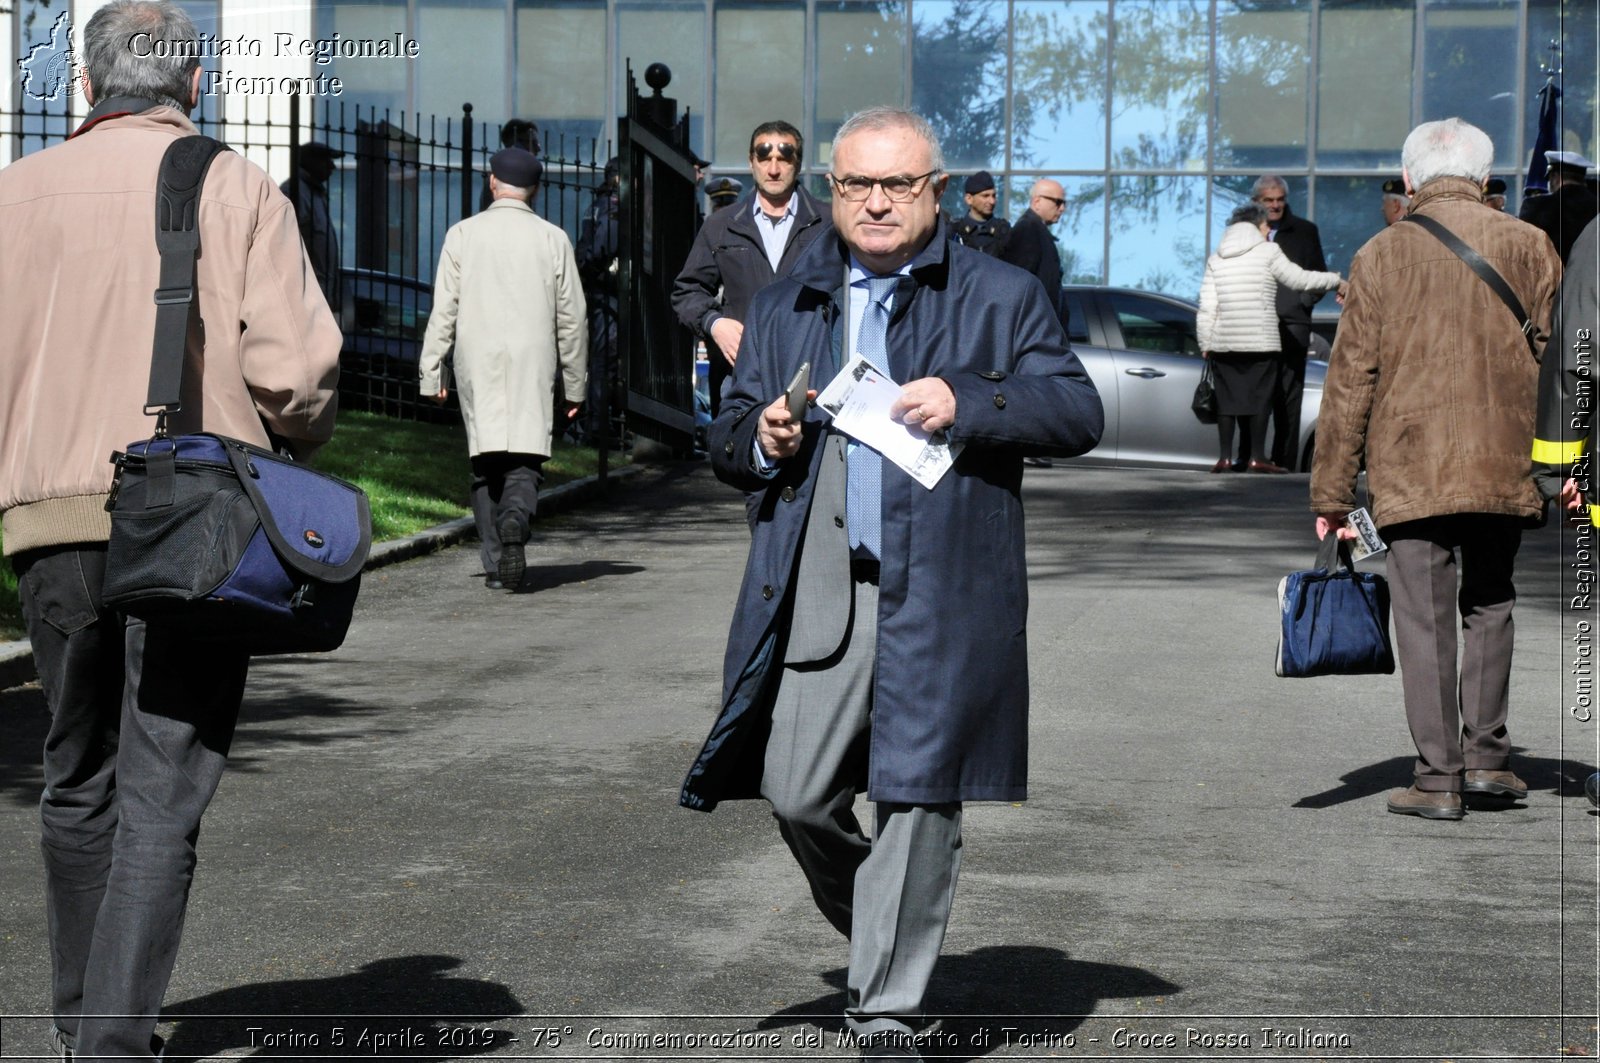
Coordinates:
[950,708]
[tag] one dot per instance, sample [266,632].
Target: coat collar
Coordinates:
[1441,189]
[510,204]
[118,107]
[806,211]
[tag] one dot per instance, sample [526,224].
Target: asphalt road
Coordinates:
[457,836]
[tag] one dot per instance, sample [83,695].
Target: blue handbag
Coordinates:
[1334,620]
[220,540]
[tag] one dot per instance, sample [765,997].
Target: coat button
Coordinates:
[992,374]
[787,494]
[728,450]
[838,522]
[999,402]
[766,592]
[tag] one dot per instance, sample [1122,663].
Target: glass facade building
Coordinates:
[1156,115]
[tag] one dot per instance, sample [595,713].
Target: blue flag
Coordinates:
[1544,140]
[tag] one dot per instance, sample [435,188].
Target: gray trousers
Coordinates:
[1438,568]
[140,725]
[890,896]
[505,490]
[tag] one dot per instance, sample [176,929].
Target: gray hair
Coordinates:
[144,48]
[1403,200]
[1266,181]
[878,119]
[1447,148]
[1254,213]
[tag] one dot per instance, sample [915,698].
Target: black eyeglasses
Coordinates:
[785,151]
[899,188]
[1058,202]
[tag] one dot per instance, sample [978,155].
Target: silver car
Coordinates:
[1142,352]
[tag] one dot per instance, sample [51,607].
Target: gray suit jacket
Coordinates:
[822,593]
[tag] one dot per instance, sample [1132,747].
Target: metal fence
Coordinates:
[402,181]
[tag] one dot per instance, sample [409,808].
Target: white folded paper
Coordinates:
[858,400]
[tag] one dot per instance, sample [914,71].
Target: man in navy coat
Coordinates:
[879,639]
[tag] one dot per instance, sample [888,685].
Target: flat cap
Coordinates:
[312,148]
[1394,186]
[982,181]
[516,167]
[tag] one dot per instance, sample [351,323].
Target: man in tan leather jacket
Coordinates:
[140,723]
[1432,380]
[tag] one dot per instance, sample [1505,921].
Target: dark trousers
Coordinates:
[140,725]
[1287,396]
[1438,568]
[505,496]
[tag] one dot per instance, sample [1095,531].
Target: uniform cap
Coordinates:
[982,181]
[516,167]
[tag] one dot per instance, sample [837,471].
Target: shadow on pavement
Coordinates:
[545,577]
[405,1006]
[1038,994]
[1564,777]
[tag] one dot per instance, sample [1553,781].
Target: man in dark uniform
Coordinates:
[1302,245]
[1570,205]
[1030,244]
[980,229]
[722,192]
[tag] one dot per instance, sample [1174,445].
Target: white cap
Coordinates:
[1568,158]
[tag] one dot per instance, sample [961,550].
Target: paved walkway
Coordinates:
[460,829]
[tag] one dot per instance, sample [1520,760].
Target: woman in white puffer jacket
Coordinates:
[1238,327]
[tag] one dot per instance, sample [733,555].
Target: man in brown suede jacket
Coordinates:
[140,721]
[1434,382]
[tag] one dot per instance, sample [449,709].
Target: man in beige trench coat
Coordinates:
[507,298]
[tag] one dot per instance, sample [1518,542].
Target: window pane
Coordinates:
[1158,234]
[1077,318]
[756,81]
[664,31]
[1154,325]
[1058,84]
[959,78]
[861,60]
[466,59]
[373,82]
[561,72]
[1081,232]
[1349,213]
[1364,84]
[1263,69]
[1470,68]
[1161,91]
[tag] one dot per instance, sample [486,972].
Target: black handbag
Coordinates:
[1333,620]
[1205,397]
[221,540]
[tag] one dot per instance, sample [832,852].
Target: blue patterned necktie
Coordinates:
[864,468]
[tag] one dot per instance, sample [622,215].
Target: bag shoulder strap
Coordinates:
[1482,268]
[183,172]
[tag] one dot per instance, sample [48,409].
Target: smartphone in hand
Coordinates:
[796,391]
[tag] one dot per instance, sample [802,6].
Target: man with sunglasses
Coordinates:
[1032,247]
[879,640]
[741,250]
